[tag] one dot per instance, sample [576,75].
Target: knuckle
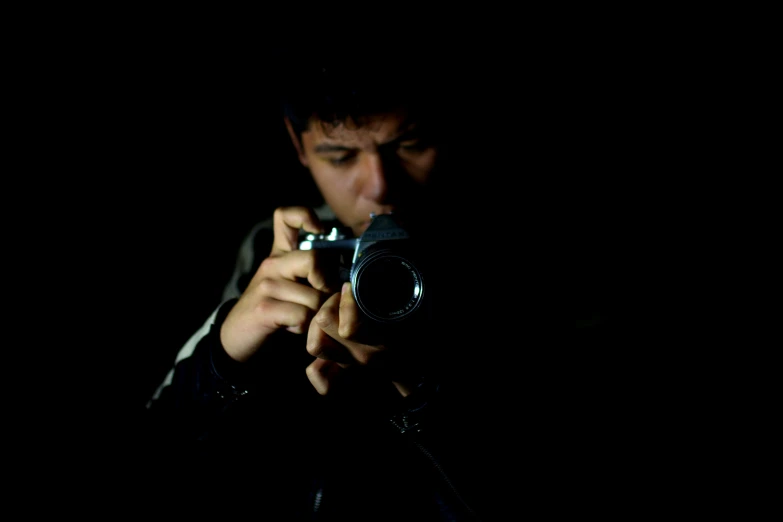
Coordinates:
[345,331]
[298,326]
[313,349]
[279,212]
[313,301]
[265,306]
[316,279]
[299,317]
[312,373]
[267,265]
[323,321]
[266,286]
[362,358]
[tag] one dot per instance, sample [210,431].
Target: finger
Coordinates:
[294,266]
[290,291]
[349,316]
[323,346]
[251,322]
[328,321]
[274,314]
[323,375]
[287,221]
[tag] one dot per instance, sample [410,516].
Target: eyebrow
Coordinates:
[328,147]
[409,132]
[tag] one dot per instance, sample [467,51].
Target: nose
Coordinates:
[375,184]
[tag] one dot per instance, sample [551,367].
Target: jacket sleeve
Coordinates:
[203,384]
[202,389]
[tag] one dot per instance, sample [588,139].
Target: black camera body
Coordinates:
[385,268]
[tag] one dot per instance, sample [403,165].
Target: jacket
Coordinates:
[365,455]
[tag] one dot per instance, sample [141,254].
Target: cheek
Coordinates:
[422,165]
[332,180]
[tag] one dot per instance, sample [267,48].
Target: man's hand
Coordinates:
[286,291]
[335,339]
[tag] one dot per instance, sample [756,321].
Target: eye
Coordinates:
[414,145]
[342,160]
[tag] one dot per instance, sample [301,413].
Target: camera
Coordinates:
[385,267]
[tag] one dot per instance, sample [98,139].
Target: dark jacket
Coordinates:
[366,454]
[501,420]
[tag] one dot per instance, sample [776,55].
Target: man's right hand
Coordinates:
[286,291]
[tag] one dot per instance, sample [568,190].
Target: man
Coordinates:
[303,405]
[291,402]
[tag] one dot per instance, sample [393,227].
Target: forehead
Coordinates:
[377,128]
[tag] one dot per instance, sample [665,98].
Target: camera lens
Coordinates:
[387,287]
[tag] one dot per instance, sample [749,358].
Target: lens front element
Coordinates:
[387,287]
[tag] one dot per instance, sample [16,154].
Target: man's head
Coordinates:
[370,133]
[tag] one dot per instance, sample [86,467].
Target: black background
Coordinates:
[162,152]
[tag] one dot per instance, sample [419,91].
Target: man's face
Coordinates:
[379,166]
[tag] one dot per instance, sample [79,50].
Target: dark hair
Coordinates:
[359,85]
